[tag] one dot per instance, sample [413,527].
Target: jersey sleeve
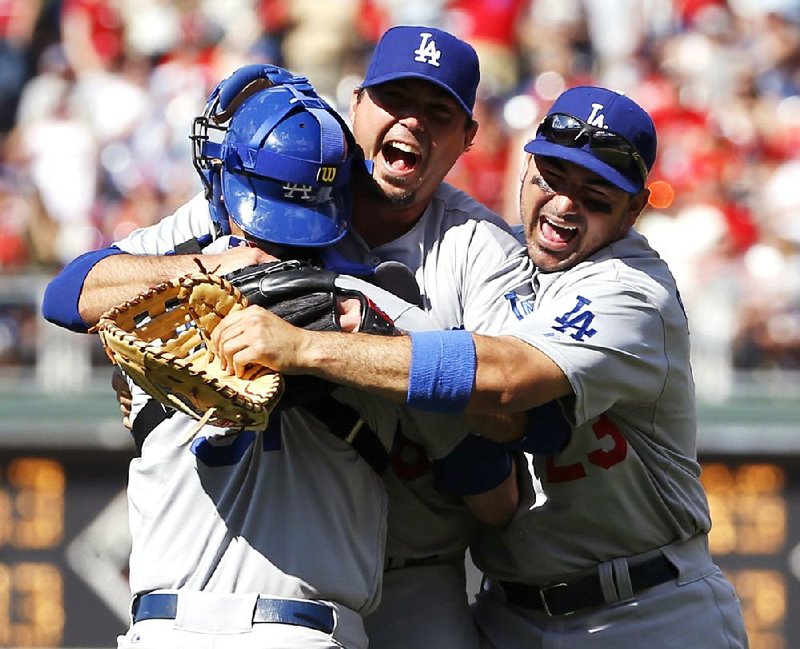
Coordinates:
[496,286]
[191,220]
[63,293]
[607,338]
[404,315]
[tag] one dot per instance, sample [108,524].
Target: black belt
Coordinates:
[586,592]
[164,606]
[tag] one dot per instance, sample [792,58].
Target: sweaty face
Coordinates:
[414,132]
[570,213]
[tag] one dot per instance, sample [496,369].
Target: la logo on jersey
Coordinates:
[427,52]
[304,191]
[520,306]
[578,321]
[596,118]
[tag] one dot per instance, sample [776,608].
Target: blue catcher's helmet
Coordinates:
[282,168]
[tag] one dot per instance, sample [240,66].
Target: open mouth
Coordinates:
[400,157]
[557,235]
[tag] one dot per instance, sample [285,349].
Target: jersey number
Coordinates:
[603,427]
[212,454]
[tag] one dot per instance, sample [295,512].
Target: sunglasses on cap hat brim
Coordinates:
[606,146]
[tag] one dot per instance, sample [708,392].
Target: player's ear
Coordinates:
[469,134]
[637,204]
[354,99]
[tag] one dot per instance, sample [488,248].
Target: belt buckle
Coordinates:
[543,599]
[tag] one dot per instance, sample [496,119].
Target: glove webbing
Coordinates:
[345,423]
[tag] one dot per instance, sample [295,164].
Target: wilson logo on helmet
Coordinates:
[326,175]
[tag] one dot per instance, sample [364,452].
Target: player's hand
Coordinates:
[233,259]
[123,393]
[256,337]
[349,310]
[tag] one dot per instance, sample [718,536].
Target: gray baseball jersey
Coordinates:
[628,480]
[249,512]
[473,274]
[625,490]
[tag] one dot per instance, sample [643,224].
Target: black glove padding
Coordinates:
[398,279]
[305,296]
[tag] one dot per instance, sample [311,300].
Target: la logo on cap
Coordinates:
[427,52]
[597,118]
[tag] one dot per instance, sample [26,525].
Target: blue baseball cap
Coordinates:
[426,53]
[614,113]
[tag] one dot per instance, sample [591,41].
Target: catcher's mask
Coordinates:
[282,167]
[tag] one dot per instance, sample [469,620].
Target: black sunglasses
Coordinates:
[607,146]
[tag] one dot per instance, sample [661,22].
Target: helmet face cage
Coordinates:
[203,131]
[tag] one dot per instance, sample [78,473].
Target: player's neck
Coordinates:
[378,222]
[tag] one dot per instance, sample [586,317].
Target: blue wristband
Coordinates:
[547,431]
[475,466]
[442,371]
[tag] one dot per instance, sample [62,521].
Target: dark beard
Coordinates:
[376,193]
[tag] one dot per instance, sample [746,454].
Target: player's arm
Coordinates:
[543,430]
[450,371]
[484,474]
[496,506]
[118,278]
[96,281]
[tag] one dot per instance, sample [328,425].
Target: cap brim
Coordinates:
[251,204]
[583,158]
[393,76]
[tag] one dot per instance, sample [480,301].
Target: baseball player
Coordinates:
[247,567]
[412,118]
[617,554]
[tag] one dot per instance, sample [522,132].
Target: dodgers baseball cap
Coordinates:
[427,53]
[601,130]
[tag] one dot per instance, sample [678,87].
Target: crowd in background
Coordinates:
[97,99]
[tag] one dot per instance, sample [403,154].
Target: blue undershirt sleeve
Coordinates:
[60,303]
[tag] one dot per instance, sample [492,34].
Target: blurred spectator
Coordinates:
[152,27]
[97,97]
[321,40]
[376,16]
[491,27]
[58,151]
[482,170]
[14,222]
[93,33]
[17,23]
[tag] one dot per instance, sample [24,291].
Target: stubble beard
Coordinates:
[403,199]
